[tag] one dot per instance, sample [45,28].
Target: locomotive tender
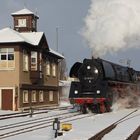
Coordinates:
[100,82]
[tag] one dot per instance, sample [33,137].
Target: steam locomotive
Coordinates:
[99,83]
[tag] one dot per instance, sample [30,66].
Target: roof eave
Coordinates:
[25,14]
[57,56]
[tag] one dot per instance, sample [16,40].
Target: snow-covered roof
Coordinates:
[56,53]
[24,11]
[8,35]
[33,37]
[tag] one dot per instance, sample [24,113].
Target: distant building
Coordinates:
[28,67]
[64,89]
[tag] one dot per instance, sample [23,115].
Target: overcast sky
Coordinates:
[68,16]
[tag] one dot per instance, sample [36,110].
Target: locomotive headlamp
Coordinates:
[89,81]
[98,91]
[88,67]
[76,91]
[96,71]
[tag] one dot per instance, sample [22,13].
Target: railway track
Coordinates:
[24,123]
[16,129]
[27,113]
[134,135]
[108,129]
[23,127]
[55,108]
[23,114]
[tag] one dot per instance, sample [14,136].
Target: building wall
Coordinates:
[24,75]
[14,104]
[50,80]
[15,78]
[37,103]
[29,23]
[50,83]
[10,77]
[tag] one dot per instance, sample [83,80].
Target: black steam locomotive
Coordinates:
[99,82]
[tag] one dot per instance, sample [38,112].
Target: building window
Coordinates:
[25,96]
[7,58]
[48,68]
[41,96]
[34,23]
[40,61]
[53,69]
[25,61]
[51,98]
[21,22]
[34,61]
[33,96]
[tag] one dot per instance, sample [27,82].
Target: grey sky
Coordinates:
[68,16]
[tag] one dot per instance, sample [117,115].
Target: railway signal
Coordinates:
[56,126]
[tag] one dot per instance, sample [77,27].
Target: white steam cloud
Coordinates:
[127,99]
[112,25]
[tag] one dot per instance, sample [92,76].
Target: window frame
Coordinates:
[41,96]
[53,69]
[51,96]
[22,22]
[7,62]
[48,68]
[40,61]
[33,96]
[34,57]
[25,61]
[25,96]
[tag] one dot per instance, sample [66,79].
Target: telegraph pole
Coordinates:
[57,39]
[127,62]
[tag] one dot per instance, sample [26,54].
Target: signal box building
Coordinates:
[28,67]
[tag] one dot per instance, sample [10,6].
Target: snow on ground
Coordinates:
[86,128]
[123,130]
[82,129]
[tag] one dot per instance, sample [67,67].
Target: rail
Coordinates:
[34,125]
[108,129]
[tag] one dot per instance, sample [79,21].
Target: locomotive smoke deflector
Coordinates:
[74,70]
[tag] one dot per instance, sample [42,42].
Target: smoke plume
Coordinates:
[112,25]
[127,99]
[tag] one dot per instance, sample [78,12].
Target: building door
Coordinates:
[7,99]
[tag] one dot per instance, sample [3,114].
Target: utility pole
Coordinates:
[127,62]
[57,39]
[25,5]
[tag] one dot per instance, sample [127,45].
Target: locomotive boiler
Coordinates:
[99,83]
